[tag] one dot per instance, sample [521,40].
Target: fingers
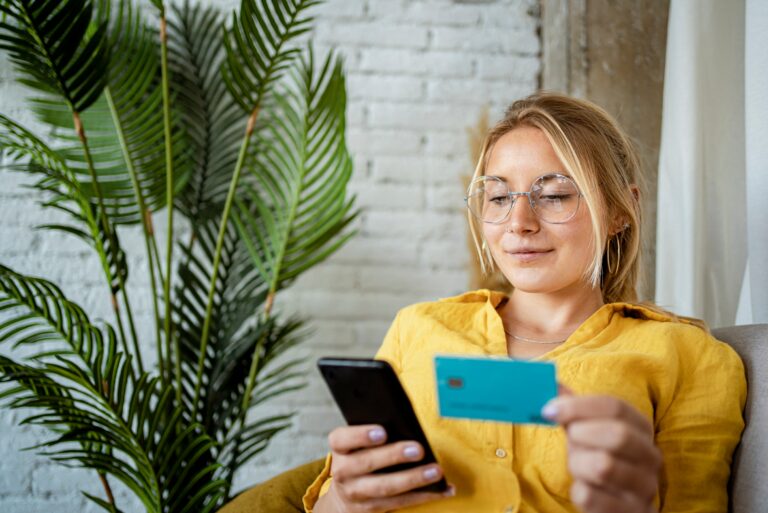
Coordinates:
[367,461]
[366,499]
[603,470]
[407,500]
[567,409]
[611,453]
[380,486]
[618,437]
[348,439]
[359,451]
[597,500]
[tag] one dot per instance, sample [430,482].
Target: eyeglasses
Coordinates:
[554,198]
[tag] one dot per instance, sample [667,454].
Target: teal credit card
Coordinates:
[498,389]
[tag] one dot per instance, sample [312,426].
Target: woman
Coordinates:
[651,407]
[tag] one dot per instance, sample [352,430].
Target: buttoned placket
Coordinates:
[502,452]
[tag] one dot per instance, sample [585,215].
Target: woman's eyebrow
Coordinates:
[560,172]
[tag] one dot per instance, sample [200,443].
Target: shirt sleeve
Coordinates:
[319,486]
[388,351]
[699,430]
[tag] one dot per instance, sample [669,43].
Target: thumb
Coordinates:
[550,410]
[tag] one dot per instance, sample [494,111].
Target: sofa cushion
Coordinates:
[749,486]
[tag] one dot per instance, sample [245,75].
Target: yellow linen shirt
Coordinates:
[690,385]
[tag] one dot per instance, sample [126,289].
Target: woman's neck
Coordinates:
[549,316]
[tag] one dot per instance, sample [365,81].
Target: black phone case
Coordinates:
[368,392]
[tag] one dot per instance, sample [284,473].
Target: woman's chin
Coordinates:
[528,280]
[537,280]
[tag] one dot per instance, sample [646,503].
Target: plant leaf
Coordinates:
[55,48]
[102,420]
[297,217]
[214,122]
[259,46]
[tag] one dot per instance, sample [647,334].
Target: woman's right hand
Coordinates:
[357,451]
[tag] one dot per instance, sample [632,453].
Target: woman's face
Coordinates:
[536,256]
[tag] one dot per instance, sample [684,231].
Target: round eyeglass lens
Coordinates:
[554,198]
[488,199]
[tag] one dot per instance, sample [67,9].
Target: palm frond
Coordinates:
[234,334]
[56,48]
[54,318]
[125,126]
[78,384]
[135,101]
[68,374]
[64,192]
[213,122]
[264,33]
[233,337]
[251,440]
[195,274]
[259,46]
[297,216]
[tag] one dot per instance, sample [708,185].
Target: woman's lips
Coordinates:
[528,255]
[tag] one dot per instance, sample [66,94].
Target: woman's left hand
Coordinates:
[611,453]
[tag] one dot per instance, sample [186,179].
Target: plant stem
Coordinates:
[108,232]
[161,277]
[149,228]
[146,224]
[255,360]
[177,367]
[131,324]
[118,315]
[158,261]
[217,254]
[107,489]
[168,180]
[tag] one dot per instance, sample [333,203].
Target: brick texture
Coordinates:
[419,72]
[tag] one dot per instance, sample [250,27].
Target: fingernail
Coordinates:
[376,435]
[578,493]
[411,452]
[549,411]
[430,473]
[450,492]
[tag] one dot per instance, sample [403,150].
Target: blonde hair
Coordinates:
[602,161]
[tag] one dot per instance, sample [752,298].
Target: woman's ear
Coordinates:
[618,225]
[621,223]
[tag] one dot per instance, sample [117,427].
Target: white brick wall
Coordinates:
[419,73]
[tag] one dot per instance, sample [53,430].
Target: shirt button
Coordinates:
[509,509]
[501,452]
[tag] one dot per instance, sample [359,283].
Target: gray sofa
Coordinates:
[749,477]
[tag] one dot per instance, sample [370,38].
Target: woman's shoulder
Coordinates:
[688,337]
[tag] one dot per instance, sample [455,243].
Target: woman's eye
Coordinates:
[555,197]
[499,199]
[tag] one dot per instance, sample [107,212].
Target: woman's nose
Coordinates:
[522,218]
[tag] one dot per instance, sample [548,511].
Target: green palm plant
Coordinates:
[232,125]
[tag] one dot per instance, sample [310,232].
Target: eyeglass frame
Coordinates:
[514,195]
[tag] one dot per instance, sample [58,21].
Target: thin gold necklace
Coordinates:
[533,340]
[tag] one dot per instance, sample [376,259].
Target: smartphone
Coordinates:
[368,392]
